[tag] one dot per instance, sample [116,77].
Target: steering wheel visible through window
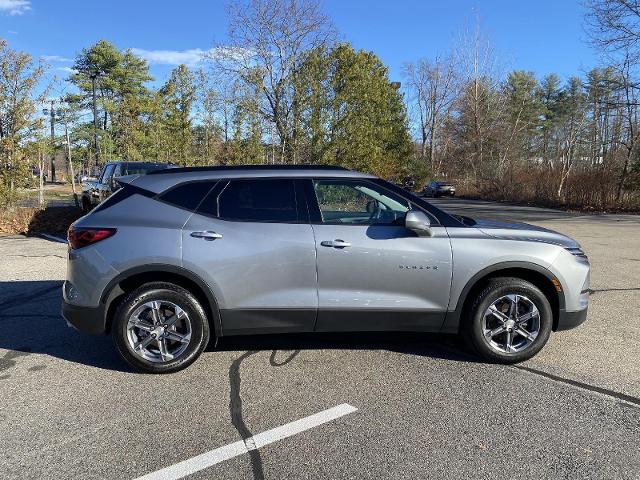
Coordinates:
[359,202]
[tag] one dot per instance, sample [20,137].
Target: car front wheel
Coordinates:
[160,328]
[509,321]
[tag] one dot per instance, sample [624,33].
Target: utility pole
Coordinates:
[71,172]
[96,148]
[53,141]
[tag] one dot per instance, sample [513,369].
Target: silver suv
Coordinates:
[177,256]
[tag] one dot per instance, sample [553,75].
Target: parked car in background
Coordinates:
[439,189]
[35,173]
[95,191]
[407,183]
[181,255]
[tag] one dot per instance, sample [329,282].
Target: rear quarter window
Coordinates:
[188,195]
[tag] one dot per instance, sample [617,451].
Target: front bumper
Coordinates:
[569,320]
[85,319]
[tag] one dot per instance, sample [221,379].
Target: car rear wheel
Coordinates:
[509,322]
[160,328]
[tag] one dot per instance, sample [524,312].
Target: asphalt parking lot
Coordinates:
[330,406]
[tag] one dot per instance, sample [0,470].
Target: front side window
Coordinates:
[359,203]
[260,200]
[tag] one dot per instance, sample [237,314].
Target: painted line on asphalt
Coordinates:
[53,238]
[213,457]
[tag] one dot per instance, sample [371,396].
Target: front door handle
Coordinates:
[207,235]
[337,243]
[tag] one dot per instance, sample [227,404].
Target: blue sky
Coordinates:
[543,36]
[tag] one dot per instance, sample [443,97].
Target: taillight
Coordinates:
[81,237]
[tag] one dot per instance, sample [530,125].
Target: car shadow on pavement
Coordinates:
[439,346]
[32,324]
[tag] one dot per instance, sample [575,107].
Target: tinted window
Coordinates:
[360,203]
[259,201]
[188,195]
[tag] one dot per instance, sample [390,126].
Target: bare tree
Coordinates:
[478,104]
[271,37]
[629,113]
[432,88]
[614,25]
[570,131]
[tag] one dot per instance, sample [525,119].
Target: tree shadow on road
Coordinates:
[285,348]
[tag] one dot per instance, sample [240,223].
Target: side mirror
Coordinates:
[418,222]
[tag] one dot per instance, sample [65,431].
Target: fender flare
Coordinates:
[112,289]
[453,317]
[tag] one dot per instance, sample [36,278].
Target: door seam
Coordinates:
[315,251]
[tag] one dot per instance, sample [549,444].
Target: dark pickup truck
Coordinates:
[95,191]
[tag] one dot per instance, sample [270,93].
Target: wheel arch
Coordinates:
[132,278]
[538,275]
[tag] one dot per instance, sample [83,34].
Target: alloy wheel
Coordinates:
[159,331]
[511,324]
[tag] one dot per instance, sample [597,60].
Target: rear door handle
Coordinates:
[337,243]
[207,235]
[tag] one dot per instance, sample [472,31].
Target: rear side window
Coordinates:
[260,200]
[187,195]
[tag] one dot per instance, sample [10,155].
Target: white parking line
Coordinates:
[208,459]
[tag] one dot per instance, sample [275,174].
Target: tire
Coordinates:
[86,206]
[492,312]
[165,300]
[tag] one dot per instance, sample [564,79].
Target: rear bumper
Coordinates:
[569,320]
[85,319]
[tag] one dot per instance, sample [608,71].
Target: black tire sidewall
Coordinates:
[494,290]
[161,291]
